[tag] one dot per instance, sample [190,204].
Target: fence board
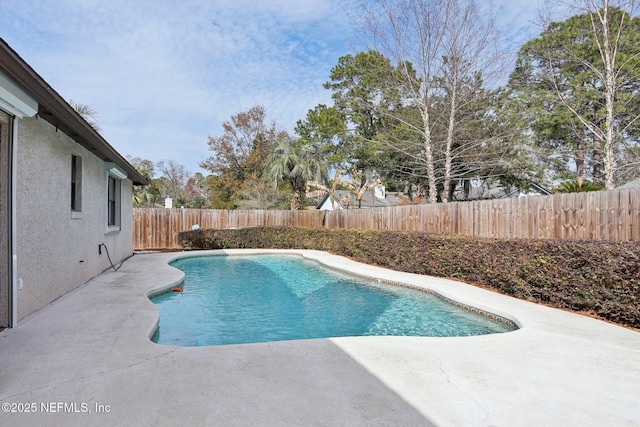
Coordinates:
[602,215]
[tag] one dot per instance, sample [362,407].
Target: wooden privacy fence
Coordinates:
[602,215]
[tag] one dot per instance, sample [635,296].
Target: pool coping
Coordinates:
[92,346]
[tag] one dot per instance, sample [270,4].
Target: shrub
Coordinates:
[595,277]
[575,187]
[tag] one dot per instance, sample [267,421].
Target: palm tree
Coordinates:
[87,113]
[577,187]
[296,164]
[142,198]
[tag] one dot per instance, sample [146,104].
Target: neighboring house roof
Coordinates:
[54,109]
[368,201]
[532,190]
[631,184]
[482,190]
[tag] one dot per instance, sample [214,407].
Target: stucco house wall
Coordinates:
[58,249]
[53,242]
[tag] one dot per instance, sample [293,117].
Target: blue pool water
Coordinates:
[258,298]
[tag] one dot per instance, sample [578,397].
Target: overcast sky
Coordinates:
[162,75]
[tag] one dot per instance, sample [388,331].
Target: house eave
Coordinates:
[55,110]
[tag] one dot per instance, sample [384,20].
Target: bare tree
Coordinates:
[613,64]
[259,194]
[411,33]
[445,50]
[470,44]
[175,177]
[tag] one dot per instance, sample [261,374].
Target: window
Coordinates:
[114,176]
[113,203]
[76,183]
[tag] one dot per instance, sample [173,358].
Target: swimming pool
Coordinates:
[260,298]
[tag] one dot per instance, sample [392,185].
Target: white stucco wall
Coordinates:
[55,251]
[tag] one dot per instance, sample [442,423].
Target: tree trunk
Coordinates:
[432,191]
[610,90]
[579,159]
[446,191]
[296,201]
[597,161]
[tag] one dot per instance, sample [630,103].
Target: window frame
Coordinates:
[76,186]
[113,203]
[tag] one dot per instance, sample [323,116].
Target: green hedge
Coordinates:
[592,277]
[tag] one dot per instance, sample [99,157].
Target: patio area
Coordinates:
[86,359]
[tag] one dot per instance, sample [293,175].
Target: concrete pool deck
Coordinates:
[86,359]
